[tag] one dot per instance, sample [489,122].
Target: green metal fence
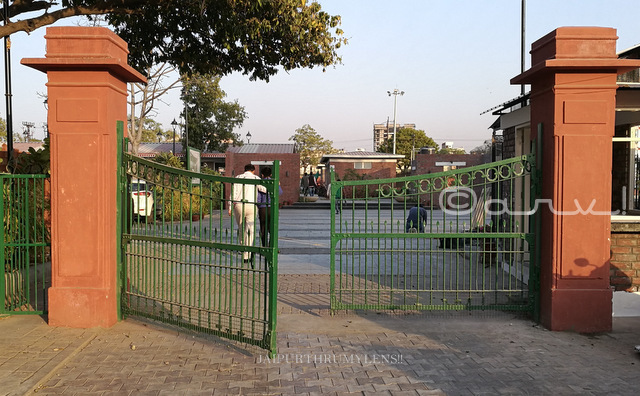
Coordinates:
[188,262]
[25,244]
[456,240]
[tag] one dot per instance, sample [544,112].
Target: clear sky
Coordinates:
[452,58]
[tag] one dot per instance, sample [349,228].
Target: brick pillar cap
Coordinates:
[115,66]
[77,48]
[575,48]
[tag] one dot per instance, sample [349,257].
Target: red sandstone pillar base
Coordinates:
[82,307]
[582,311]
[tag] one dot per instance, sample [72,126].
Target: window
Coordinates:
[362,165]
[625,182]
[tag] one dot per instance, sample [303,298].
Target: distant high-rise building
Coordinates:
[382,132]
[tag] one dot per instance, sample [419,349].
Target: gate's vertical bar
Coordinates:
[120,192]
[26,240]
[2,249]
[332,259]
[273,271]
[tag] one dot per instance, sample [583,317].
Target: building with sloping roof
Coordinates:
[263,148]
[263,154]
[213,160]
[362,162]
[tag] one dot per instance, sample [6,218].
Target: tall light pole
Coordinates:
[395,94]
[248,137]
[523,11]
[7,85]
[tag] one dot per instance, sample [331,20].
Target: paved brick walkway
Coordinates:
[371,354]
[348,353]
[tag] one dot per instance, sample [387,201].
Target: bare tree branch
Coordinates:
[99,8]
[20,6]
[145,107]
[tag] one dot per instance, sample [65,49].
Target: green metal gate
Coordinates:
[25,263]
[183,257]
[457,240]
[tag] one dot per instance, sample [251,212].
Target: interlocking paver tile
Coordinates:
[474,355]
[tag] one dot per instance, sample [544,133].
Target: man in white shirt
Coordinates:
[243,201]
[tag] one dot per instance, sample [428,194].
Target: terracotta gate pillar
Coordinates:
[87,76]
[573,88]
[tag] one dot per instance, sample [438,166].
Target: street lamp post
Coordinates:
[7,85]
[173,125]
[159,135]
[248,137]
[395,94]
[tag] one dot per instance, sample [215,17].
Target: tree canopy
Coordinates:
[205,36]
[150,131]
[210,119]
[451,150]
[407,140]
[311,146]
[168,159]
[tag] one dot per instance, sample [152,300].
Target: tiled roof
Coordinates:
[360,154]
[264,148]
[155,148]
[149,150]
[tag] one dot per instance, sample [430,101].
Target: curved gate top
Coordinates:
[455,240]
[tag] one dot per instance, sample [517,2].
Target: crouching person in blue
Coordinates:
[416,219]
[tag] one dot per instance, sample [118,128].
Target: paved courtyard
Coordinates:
[372,353]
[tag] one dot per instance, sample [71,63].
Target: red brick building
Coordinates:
[432,163]
[373,165]
[426,163]
[263,155]
[208,159]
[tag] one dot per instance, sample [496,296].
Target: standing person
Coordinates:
[312,184]
[305,184]
[243,200]
[264,206]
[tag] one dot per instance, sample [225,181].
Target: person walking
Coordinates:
[312,184]
[243,202]
[305,184]
[264,208]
